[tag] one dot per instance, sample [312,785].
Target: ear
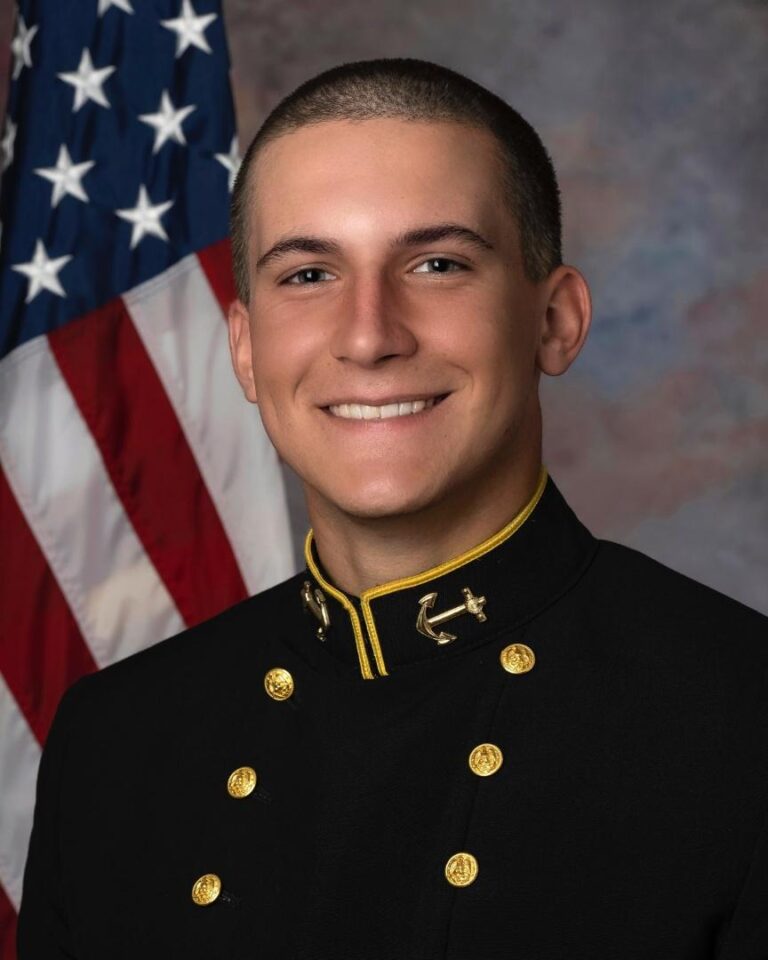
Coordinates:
[566,320]
[240,348]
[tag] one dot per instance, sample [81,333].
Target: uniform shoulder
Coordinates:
[204,652]
[637,580]
[698,657]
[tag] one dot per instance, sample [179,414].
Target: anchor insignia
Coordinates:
[314,601]
[426,624]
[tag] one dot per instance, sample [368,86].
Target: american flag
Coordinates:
[138,491]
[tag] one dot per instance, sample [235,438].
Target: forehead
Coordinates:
[380,174]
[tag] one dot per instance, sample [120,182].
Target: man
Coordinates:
[469,729]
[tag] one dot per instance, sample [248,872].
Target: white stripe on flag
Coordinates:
[19,760]
[181,325]
[62,487]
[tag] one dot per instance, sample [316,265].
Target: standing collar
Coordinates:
[459,604]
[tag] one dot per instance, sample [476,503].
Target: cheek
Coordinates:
[268,372]
[281,356]
[491,348]
[503,372]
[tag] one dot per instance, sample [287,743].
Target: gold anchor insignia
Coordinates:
[426,624]
[314,601]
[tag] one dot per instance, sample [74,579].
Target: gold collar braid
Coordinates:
[406,582]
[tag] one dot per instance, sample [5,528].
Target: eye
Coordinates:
[440,265]
[309,276]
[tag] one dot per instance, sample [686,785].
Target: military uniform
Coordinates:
[551,747]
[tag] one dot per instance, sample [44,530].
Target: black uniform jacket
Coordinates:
[581,772]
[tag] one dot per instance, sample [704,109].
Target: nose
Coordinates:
[372,326]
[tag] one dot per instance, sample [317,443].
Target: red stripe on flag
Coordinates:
[7,928]
[41,649]
[148,459]
[216,261]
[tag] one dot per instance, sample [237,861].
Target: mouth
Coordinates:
[384,411]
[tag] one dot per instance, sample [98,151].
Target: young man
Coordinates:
[469,729]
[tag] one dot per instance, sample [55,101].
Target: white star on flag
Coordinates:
[87,82]
[22,55]
[145,217]
[42,272]
[189,28]
[167,121]
[231,161]
[66,177]
[6,144]
[124,5]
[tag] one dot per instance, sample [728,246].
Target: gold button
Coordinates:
[241,782]
[461,870]
[278,683]
[485,759]
[206,889]
[517,658]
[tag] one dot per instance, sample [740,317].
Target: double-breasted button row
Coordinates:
[241,783]
[279,684]
[484,760]
[207,889]
[461,869]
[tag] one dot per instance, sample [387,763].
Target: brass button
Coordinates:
[485,759]
[206,889]
[461,870]
[278,683]
[517,658]
[241,782]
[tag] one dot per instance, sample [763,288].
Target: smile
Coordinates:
[364,411]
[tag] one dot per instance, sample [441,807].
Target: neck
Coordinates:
[360,553]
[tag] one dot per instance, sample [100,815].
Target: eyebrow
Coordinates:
[418,236]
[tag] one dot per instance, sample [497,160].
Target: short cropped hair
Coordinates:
[409,89]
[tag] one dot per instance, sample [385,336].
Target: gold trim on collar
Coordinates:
[416,580]
[480,550]
[362,653]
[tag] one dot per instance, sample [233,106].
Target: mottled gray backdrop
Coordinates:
[656,114]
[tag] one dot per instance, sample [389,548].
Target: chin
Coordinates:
[374,500]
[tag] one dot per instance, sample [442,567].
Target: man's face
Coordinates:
[393,348]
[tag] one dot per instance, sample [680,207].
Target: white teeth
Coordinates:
[363,411]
